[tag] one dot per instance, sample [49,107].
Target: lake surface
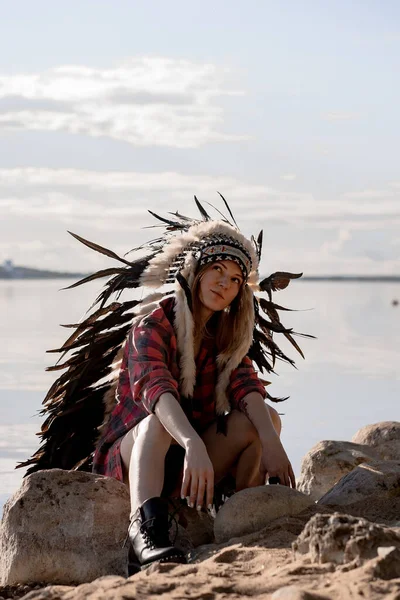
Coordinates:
[350,377]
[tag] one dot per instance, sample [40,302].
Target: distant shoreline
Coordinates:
[346,278]
[31,273]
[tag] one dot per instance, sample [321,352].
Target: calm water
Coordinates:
[350,376]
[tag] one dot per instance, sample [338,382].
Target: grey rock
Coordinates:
[383,437]
[343,539]
[64,527]
[379,478]
[252,509]
[327,462]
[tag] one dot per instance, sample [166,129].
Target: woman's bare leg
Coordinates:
[248,465]
[240,448]
[143,451]
[276,420]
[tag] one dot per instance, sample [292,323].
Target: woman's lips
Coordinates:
[218,294]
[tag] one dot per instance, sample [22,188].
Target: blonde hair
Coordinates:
[229,326]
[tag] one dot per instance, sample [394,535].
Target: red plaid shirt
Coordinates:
[150,367]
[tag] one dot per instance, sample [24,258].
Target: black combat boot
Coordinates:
[148,534]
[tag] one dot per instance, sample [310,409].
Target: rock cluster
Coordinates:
[383,438]
[363,475]
[342,539]
[379,479]
[327,462]
[68,529]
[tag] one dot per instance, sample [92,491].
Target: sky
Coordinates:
[289,109]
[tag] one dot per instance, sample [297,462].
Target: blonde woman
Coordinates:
[223,425]
[161,393]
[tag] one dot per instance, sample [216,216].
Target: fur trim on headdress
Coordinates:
[170,260]
[227,364]
[180,255]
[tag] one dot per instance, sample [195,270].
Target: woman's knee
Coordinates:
[242,423]
[243,427]
[152,429]
[276,420]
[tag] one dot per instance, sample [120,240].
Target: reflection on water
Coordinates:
[350,376]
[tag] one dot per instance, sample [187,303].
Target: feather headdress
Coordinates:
[79,402]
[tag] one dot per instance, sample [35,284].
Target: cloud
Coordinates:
[340,116]
[145,101]
[123,96]
[336,245]
[288,177]
[110,207]
[73,195]
[12,104]
[369,195]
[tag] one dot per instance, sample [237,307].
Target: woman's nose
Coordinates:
[223,282]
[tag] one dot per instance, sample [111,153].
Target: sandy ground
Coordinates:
[254,566]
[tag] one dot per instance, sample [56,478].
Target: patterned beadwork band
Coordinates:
[225,248]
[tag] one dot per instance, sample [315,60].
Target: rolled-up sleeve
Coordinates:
[148,359]
[244,380]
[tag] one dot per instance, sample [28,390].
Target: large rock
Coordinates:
[327,462]
[379,480]
[383,437]
[252,509]
[343,539]
[64,527]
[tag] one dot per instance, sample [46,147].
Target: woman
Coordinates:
[186,380]
[165,398]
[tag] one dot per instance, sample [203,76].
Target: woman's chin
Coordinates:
[215,305]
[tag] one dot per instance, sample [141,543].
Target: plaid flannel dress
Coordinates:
[150,367]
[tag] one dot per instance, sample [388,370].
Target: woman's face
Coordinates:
[219,285]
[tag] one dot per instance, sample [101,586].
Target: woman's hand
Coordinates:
[198,476]
[275,462]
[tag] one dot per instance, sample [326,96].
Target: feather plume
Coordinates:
[203,212]
[229,210]
[77,406]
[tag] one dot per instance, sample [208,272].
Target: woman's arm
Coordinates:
[171,415]
[154,387]
[198,472]
[274,458]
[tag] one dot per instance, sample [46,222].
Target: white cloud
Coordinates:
[288,177]
[369,195]
[117,197]
[143,101]
[340,116]
[110,208]
[334,246]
